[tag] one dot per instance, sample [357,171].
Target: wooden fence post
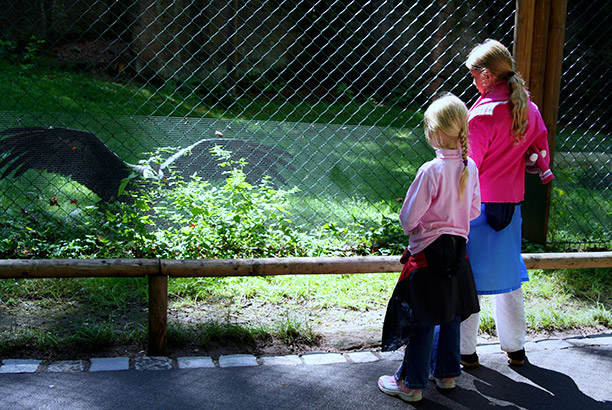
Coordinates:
[538,50]
[523,37]
[158,315]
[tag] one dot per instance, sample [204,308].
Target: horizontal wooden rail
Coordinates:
[158,271]
[280,266]
[574,260]
[72,268]
[68,268]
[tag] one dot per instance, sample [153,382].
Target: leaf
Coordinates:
[125,181]
[142,205]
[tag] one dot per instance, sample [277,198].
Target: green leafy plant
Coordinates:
[93,336]
[8,50]
[179,219]
[343,90]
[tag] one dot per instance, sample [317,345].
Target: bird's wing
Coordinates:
[261,159]
[73,153]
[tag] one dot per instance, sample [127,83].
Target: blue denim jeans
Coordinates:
[433,349]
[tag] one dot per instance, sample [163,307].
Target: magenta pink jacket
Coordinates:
[501,162]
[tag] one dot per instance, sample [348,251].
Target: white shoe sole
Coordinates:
[412,397]
[444,384]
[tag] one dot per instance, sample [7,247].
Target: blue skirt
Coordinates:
[496,255]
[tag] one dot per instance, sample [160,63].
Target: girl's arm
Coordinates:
[418,199]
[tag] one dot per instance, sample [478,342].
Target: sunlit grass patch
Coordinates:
[568,299]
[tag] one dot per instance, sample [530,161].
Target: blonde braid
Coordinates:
[465,175]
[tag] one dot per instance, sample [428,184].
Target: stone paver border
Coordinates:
[148,363]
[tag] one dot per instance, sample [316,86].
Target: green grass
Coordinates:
[99,313]
[570,139]
[45,89]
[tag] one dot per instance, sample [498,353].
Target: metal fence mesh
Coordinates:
[339,86]
[580,211]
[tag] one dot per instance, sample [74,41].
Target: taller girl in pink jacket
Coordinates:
[503,124]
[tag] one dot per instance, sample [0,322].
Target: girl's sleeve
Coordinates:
[541,140]
[417,202]
[475,209]
[478,139]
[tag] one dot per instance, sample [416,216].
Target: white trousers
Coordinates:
[509,311]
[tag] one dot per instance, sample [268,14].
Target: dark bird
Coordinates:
[83,157]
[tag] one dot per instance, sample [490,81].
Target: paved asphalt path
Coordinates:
[561,374]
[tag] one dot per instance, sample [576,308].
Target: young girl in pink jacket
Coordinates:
[436,287]
[503,125]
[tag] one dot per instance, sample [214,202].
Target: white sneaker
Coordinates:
[388,385]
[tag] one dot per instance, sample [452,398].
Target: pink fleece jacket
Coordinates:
[432,206]
[501,162]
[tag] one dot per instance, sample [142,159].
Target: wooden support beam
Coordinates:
[554,58]
[539,49]
[578,260]
[158,315]
[365,264]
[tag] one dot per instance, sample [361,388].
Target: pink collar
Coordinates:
[448,153]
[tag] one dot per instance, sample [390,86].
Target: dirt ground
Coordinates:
[338,330]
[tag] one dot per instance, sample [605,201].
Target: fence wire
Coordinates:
[332,90]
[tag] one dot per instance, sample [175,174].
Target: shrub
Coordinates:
[178,219]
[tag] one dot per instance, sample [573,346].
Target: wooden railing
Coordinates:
[158,271]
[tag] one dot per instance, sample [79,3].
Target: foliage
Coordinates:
[179,219]
[8,50]
[580,209]
[292,331]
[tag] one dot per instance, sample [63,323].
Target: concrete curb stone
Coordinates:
[244,360]
[105,364]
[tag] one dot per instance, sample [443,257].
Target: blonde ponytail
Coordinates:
[495,57]
[519,98]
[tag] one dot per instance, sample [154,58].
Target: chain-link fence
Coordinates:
[580,209]
[323,95]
